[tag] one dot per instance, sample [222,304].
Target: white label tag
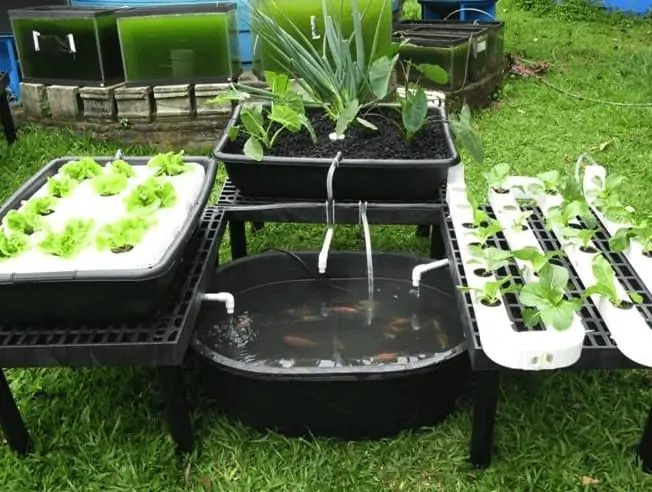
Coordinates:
[482,46]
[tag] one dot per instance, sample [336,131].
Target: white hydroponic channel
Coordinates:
[85,203]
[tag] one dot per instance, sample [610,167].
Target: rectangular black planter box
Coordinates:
[102,294]
[354,179]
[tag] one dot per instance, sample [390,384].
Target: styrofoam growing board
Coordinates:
[641,263]
[85,203]
[628,327]
[529,350]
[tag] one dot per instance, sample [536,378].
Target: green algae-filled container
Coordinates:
[180,44]
[449,51]
[307,16]
[70,45]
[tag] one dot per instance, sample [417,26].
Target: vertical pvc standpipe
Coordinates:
[330,215]
[370,262]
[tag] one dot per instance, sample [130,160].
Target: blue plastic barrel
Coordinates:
[9,64]
[465,10]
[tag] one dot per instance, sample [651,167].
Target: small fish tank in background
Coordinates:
[74,45]
[179,44]
[307,15]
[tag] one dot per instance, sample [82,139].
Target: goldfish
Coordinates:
[299,342]
[344,310]
[385,357]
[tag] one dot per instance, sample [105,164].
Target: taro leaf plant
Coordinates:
[153,194]
[491,292]
[23,221]
[168,164]
[122,167]
[61,187]
[110,184]
[70,241]
[606,284]
[85,168]
[43,205]
[466,135]
[497,176]
[12,245]
[491,259]
[545,300]
[123,235]
[535,258]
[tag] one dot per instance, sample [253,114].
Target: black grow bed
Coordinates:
[345,401]
[356,178]
[101,294]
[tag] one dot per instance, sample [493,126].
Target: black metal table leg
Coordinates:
[5,117]
[485,400]
[437,248]
[257,226]
[645,447]
[238,239]
[10,420]
[177,413]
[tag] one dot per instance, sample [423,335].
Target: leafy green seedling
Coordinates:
[621,240]
[466,135]
[608,190]
[545,299]
[70,241]
[497,176]
[562,215]
[606,284]
[520,221]
[11,245]
[122,236]
[61,187]
[535,258]
[613,209]
[84,168]
[122,167]
[168,164]
[580,237]
[110,184]
[487,231]
[43,205]
[491,259]
[551,180]
[25,222]
[153,194]
[491,292]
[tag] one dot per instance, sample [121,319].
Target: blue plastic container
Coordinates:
[9,64]
[633,6]
[463,10]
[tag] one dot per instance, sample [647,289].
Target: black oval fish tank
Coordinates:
[306,354]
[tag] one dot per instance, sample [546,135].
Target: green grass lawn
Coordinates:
[101,429]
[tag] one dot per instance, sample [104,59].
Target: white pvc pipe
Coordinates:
[225,297]
[419,270]
[323,254]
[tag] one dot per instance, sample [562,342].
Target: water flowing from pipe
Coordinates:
[370,263]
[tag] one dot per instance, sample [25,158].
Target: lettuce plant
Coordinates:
[61,187]
[70,241]
[551,180]
[122,167]
[606,284]
[642,232]
[491,259]
[12,245]
[82,169]
[562,215]
[484,233]
[168,164]
[109,184]
[41,206]
[122,236]
[25,221]
[520,220]
[545,299]
[497,176]
[536,259]
[491,292]
[153,194]
[581,237]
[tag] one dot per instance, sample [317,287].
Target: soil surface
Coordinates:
[362,143]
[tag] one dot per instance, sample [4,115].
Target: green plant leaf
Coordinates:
[635,297]
[11,245]
[492,259]
[122,167]
[43,205]
[535,257]
[109,184]
[380,74]
[230,95]
[605,278]
[70,241]
[253,149]
[123,234]
[492,228]
[620,241]
[286,117]
[168,164]
[414,110]
[61,187]
[435,73]
[347,116]
[551,180]
[582,237]
[233,132]
[23,221]
[153,194]
[278,82]
[497,175]
[82,169]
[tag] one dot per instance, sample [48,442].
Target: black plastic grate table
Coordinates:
[160,342]
[599,350]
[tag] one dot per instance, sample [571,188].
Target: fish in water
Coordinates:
[389,336]
[344,310]
[310,318]
[398,325]
[299,342]
[384,357]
